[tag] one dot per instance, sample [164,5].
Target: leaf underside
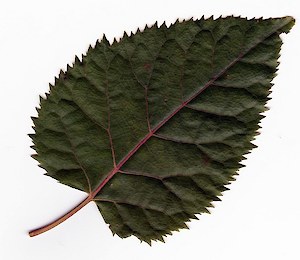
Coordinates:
[168,112]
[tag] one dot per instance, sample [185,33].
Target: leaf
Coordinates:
[154,127]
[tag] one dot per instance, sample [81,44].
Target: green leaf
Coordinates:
[154,127]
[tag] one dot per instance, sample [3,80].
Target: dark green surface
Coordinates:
[183,168]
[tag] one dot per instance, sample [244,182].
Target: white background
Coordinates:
[257,219]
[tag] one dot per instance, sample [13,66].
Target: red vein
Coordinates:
[108,128]
[143,174]
[76,157]
[181,82]
[111,147]
[147,109]
[145,95]
[168,138]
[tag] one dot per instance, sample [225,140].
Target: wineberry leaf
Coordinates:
[154,127]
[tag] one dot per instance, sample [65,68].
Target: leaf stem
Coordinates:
[60,219]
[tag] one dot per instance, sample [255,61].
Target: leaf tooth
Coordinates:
[224,188]
[89,48]
[56,79]
[148,241]
[253,146]
[155,25]
[163,25]
[161,239]
[268,96]
[125,35]
[192,217]
[241,165]
[97,44]
[211,18]
[35,156]
[115,41]
[184,226]
[216,198]
[83,58]
[51,87]
[243,157]
[42,99]
[105,41]
[37,109]
[261,19]
[31,136]
[231,178]
[168,233]
[62,75]
[46,173]
[77,60]
[69,67]
[255,134]
[266,108]
[210,205]
[94,44]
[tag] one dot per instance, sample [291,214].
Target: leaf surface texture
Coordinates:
[154,126]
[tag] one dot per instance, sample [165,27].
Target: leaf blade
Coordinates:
[157,154]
